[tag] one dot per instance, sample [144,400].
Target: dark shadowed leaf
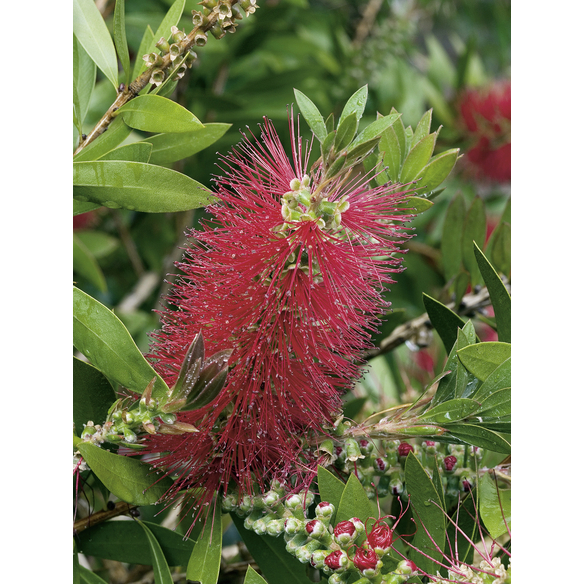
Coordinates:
[125,541]
[443,320]
[88,577]
[92,395]
[129,479]
[86,265]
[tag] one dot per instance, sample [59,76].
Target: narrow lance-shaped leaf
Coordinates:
[171,19]
[136,152]
[483,358]
[145,43]
[113,137]
[451,245]
[500,297]
[417,158]
[475,227]
[437,170]
[205,559]
[160,567]
[312,116]
[83,79]
[355,105]
[91,31]
[478,436]
[127,478]
[88,577]
[120,38]
[153,113]
[100,335]
[374,130]
[86,265]
[390,147]
[137,186]
[443,320]
[423,127]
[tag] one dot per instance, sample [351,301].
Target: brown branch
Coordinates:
[121,508]
[470,303]
[366,23]
[125,94]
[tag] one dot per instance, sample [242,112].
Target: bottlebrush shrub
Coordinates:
[289,275]
[486,116]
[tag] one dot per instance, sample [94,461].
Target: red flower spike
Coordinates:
[295,300]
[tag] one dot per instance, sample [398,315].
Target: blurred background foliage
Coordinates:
[413,54]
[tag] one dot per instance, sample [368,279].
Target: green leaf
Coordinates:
[400,134]
[85,264]
[83,80]
[355,503]
[431,526]
[92,33]
[474,230]
[160,567]
[152,113]
[443,320]
[479,436]
[500,297]
[252,577]
[451,245]
[437,170]
[330,489]
[88,577]
[451,411]
[466,519]
[437,481]
[373,130]
[168,148]
[125,541]
[137,186]
[100,335]
[483,358]
[276,564]
[92,395]
[460,285]
[423,127]
[355,105]
[116,133]
[389,146]
[417,204]
[501,248]
[120,38]
[145,43]
[417,158]
[137,152]
[127,478]
[346,132]
[491,501]
[205,559]
[312,116]
[497,405]
[79,208]
[352,408]
[498,379]
[171,19]
[76,570]
[99,243]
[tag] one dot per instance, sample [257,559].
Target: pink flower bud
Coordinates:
[404,449]
[450,462]
[366,561]
[380,464]
[337,560]
[380,538]
[344,527]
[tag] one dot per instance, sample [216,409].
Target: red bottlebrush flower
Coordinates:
[366,561]
[84,220]
[486,117]
[404,449]
[288,275]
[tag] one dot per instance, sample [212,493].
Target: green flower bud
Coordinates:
[275,527]
[353,450]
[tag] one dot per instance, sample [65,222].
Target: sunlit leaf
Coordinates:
[492,501]
[120,38]
[355,105]
[483,358]
[312,116]
[205,559]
